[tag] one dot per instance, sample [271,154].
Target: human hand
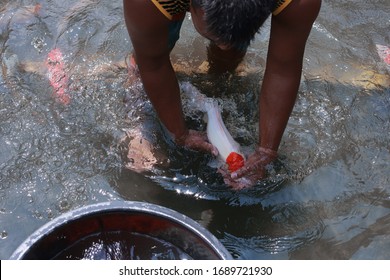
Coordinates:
[197,140]
[253,170]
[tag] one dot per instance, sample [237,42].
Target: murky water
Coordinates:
[122,246]
[328,197]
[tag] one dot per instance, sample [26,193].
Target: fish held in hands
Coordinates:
[217,133]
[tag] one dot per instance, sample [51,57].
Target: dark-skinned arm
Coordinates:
[289,32]
[148,30]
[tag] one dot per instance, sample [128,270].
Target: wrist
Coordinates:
[181,137]
[267,151]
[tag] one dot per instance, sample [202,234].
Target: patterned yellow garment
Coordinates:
[173,8]
[280,5]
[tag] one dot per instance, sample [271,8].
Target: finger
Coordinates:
[214,150]
[206,147]
[241,172]
[234,184]
[240,184]
[210,149]
[223,172]
[198,141]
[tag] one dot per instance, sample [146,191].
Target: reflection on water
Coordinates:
[122,246]
[328,196]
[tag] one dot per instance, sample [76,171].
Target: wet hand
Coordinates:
[197,140]
[253,170]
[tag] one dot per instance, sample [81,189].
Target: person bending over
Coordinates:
[230,25]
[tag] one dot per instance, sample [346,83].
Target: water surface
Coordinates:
[328,197]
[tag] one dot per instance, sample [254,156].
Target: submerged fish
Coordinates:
[57,76]
[384,54]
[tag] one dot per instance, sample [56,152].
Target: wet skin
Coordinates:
[289,32]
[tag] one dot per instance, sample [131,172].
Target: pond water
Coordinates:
[68,117]
[119,245]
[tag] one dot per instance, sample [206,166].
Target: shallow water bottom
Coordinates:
[329,198]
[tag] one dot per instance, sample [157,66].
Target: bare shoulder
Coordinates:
[147,27]
[299,13]
[290,30]
[143,14]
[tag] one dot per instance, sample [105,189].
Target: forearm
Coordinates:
[277,99]
[289,32]
[162,88]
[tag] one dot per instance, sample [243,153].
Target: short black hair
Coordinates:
[197,3]
[235,22]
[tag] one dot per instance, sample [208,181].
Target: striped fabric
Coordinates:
[280,5]
[171,8]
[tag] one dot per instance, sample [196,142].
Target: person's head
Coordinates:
[230,23]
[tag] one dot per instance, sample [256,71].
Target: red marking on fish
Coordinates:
[57,75]
[384,53]
[235,161]
[37,9]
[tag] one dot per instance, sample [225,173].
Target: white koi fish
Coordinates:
[217,133]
